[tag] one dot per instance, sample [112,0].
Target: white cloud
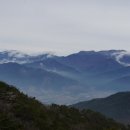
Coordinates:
[119,57]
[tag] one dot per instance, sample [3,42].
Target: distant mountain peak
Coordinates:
[21,57]
[86,52]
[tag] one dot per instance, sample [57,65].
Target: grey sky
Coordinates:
[64,26]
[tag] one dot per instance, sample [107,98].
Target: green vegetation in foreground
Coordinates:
[20,112]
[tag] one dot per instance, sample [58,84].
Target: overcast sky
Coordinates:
[64,26]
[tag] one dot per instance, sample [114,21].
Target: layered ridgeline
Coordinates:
[20,112]
[116,106]
[68,79]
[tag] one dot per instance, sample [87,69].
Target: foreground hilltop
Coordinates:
[20,112]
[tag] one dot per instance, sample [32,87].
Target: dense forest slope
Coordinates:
[20,112]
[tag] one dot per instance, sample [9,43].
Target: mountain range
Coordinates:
[67,79]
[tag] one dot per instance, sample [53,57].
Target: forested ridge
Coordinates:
[20,112]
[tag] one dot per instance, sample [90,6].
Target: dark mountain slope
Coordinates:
[116,80]
[17,74]
[120,84]
[19,112]
[51,64]
[90,62]
[116,106]
[115,74]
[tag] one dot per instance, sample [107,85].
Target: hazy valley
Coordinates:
[73,78]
